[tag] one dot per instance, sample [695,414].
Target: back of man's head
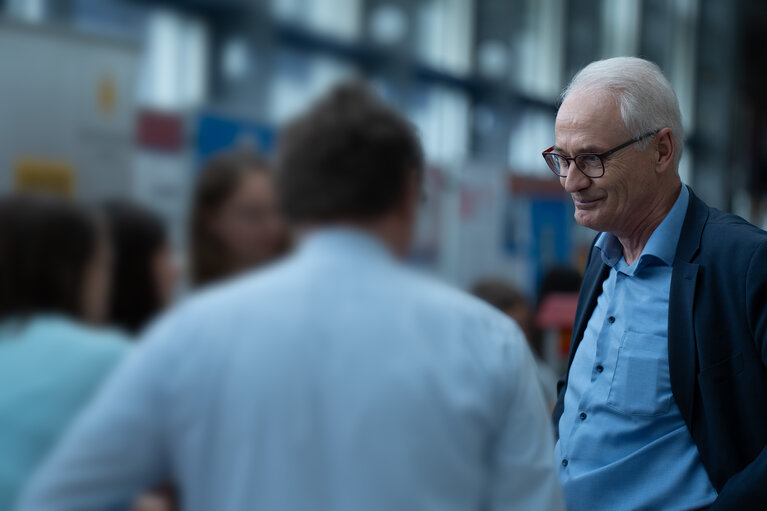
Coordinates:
[350,157]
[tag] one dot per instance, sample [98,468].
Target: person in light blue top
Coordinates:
[54,267]
[627,338]
[662,405]
[337,379]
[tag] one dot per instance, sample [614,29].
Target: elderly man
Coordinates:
[664,404]
[336,380]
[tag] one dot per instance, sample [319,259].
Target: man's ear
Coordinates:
[665,146]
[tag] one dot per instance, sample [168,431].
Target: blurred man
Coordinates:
[663,406]
[335,380]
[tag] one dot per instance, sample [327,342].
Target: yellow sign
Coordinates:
[41,175]
[107,95]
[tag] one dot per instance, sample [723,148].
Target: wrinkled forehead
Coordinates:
[585,108]
[588,116]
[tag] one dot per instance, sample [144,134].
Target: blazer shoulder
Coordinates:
[729,242]
[730,231]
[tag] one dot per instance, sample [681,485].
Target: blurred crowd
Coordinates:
[80,284]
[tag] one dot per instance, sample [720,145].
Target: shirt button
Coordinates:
[611,319]
[600,368]
[564,463]
[583,416]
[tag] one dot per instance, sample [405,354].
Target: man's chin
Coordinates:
[587,218]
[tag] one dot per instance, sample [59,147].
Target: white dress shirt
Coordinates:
[337,379]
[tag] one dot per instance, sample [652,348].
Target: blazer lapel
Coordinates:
[681,335]
[595,274]
[682,351]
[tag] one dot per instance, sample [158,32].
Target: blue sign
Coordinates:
[551,234]
[216,133]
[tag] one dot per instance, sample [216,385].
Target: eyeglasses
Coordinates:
[591,164]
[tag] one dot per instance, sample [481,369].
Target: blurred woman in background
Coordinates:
[235,223]
[509,300]
[144,276]
[54,284]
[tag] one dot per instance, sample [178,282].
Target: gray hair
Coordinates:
[644,95]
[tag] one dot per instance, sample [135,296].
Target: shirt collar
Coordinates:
[344,241]
[662,243]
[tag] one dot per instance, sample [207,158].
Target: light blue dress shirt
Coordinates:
[50,367]
[335,380]
[623,442]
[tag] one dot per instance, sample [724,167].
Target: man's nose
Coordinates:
[575,180]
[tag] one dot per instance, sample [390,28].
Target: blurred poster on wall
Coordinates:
[161,183]
[426,241]
[480,207]
[469,216]
[161,167]
[65,96]
[538,225]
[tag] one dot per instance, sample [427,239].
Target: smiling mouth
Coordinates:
[586,204]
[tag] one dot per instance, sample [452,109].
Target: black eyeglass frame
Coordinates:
[601,156]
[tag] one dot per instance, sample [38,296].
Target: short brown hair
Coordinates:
[349,156]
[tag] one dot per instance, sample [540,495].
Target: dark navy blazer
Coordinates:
[717,346]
